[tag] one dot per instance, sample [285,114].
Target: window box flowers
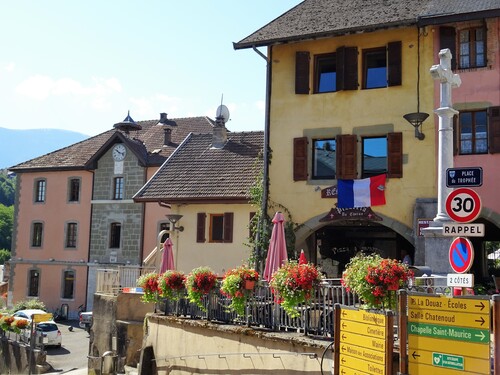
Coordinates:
[200,282]
[171,284]
[149,284]
[293,284]
[375,279]
[237,285]
[12,323]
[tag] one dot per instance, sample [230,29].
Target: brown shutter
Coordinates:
[300,159]
[395,155]
[346,156]
[228,226]
[302,61]
[200,227]
[447,39]
[347,68]
[455,134]
[494,129]
[394,64]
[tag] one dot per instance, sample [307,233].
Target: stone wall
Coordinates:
[14,357]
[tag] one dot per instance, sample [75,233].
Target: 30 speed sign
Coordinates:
[463,205]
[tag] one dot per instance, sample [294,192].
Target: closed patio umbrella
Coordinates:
[276,253]
[167,258]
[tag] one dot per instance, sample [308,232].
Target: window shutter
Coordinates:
[302,61]
[395,155]
[447,39]
[494,129]
[300,159]
[347,68]
[394,64]
[228,226]
[455,135]
[346,156]
[200,227]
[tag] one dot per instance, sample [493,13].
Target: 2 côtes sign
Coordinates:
[463,205]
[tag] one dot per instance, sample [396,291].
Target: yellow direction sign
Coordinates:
[38,318]
[363,353]
[454,305]
[365,366]
[438,362]
[363,328]
[363,316]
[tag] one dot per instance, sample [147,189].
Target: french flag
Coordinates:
[366,192]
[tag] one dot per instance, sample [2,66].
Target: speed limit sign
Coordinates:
[463,205]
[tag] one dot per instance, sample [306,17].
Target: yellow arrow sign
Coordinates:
[38,318]
[448,318]
[454,305]
[416,342]
[362,353]
[428,358]
[363,317]
[364,341]
[365,366]
[362,328]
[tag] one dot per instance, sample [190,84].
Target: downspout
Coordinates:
[265,190]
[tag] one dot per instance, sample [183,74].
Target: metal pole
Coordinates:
[496,333]
[403,331]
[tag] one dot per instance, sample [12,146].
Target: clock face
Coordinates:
[119,152]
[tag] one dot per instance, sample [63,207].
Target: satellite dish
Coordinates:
[222,112]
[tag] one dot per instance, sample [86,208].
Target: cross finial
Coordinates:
[444,74]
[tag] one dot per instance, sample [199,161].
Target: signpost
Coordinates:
[464,177]
[469,230]
[364,340]
[461,255]
[463,205]
[446,335]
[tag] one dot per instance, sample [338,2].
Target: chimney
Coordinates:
[163,118]
[167,131]
[219,138]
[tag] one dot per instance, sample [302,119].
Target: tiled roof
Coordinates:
[76,156]
[324,18]
[199,172]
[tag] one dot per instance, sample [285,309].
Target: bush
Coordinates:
[29,304]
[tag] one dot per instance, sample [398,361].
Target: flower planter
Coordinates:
[249,284]
[394,286]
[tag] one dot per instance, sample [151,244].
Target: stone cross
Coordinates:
[443,73]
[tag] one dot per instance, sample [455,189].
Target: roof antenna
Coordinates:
[222,112]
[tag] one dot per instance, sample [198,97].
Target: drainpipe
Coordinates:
[265,189]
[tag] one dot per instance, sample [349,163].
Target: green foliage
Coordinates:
[7,190]
[4,255]
[29,304]
[6,225]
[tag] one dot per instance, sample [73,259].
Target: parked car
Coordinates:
[50,333]
[28,314]
[86,320]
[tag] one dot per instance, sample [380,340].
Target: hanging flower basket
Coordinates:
[149,284]
[375,279]
[293,284]
[200,282]
[12,323]
[171,285]
[237,285]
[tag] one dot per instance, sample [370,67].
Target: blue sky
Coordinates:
[81,66]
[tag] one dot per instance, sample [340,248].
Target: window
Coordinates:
[71,234]
[118,188]
[382,66]
[33,283]
[472,48]
[220,227]
[473,133]
[164,226]
[74,190]
[68,287]
[37,235]
[324,159]
[40,187]
[115,235]
[325,75]
[374,161]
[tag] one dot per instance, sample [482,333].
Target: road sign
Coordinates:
[463,205]
[37,318]
[461,255]
[457,305]
[437,363]
[464,177]
[468,230]
[463,280]
[456,333]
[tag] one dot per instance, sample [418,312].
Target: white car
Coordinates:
[28,314]
[50,333]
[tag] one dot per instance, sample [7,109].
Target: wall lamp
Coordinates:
[416,119]
[173,218]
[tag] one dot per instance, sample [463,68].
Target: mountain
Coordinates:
[17,146]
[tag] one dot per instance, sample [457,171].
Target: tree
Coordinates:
[4,255]
[7,189]
[6,225]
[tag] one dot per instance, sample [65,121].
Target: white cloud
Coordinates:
[10,67]
[151,107]
[41,87]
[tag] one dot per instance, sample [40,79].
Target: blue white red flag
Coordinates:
[365,192]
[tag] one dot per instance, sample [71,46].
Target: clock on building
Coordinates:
[119,152]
